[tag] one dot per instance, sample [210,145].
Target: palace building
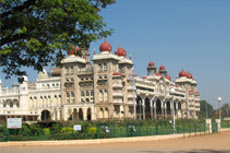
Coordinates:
[104,88]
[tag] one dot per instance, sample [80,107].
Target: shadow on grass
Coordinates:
[189,151]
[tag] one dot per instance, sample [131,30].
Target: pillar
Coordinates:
[162,109]
[143,107]
[172,107]
[155,110]
[151,107]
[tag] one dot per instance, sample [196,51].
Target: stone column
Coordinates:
[172,107]
[166,115]
[143,107]
[162,109]
[155,110]
[151,107]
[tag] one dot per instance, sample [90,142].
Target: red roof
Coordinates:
[168,77]
[162,67]
[105,46]
[72,50]
[151,64]
[182,74]
[117,73]
[121,52]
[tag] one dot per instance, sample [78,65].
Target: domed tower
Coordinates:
[162,70]
[105,47]
[121,52]
[151,68]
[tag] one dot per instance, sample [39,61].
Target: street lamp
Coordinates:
[219,100]
[172,92]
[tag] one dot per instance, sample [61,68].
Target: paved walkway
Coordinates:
[216,143]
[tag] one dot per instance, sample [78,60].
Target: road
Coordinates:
[217,143]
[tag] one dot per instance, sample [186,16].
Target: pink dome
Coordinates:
[105,46]
[151,64]
[162,67]
[121,52]
[182,74]
[72,50]
[168,77]
[189,75]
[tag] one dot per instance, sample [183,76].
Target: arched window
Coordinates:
[11,104]
[106,95]
[105,67]
[87,93]
[101,96]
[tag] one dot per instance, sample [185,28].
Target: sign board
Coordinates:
[77,127]
[14,123]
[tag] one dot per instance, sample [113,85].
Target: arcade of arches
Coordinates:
[80,114]
[156,107]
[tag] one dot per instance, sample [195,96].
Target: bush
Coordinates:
[25,130]
[35,129]
[92,131]
[46,131]
[68,130]
[56,128]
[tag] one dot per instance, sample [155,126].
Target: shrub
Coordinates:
[25,130]
[35,129]
[68,130]
[46,131]
[92,131]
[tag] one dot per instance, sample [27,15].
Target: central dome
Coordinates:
[182,74]
[121,52]
[105,46]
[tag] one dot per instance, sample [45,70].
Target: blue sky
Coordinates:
[181,34]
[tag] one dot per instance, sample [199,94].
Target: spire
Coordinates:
[130,57]
[94,51]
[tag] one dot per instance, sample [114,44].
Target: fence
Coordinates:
[105,131]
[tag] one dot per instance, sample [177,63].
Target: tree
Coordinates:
[225,110]
[206,109]
[34,32]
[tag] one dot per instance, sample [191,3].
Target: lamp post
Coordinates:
[219,100]
[172,92]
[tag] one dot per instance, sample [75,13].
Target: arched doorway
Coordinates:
[75,114]
[81,114]
[89,114]
[158,105]
[45,115]
[147,108]
[168,108]
[179,105]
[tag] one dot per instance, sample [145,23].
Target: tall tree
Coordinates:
[206,109]
[34,32]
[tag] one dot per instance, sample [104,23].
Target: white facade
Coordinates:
[102,90]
